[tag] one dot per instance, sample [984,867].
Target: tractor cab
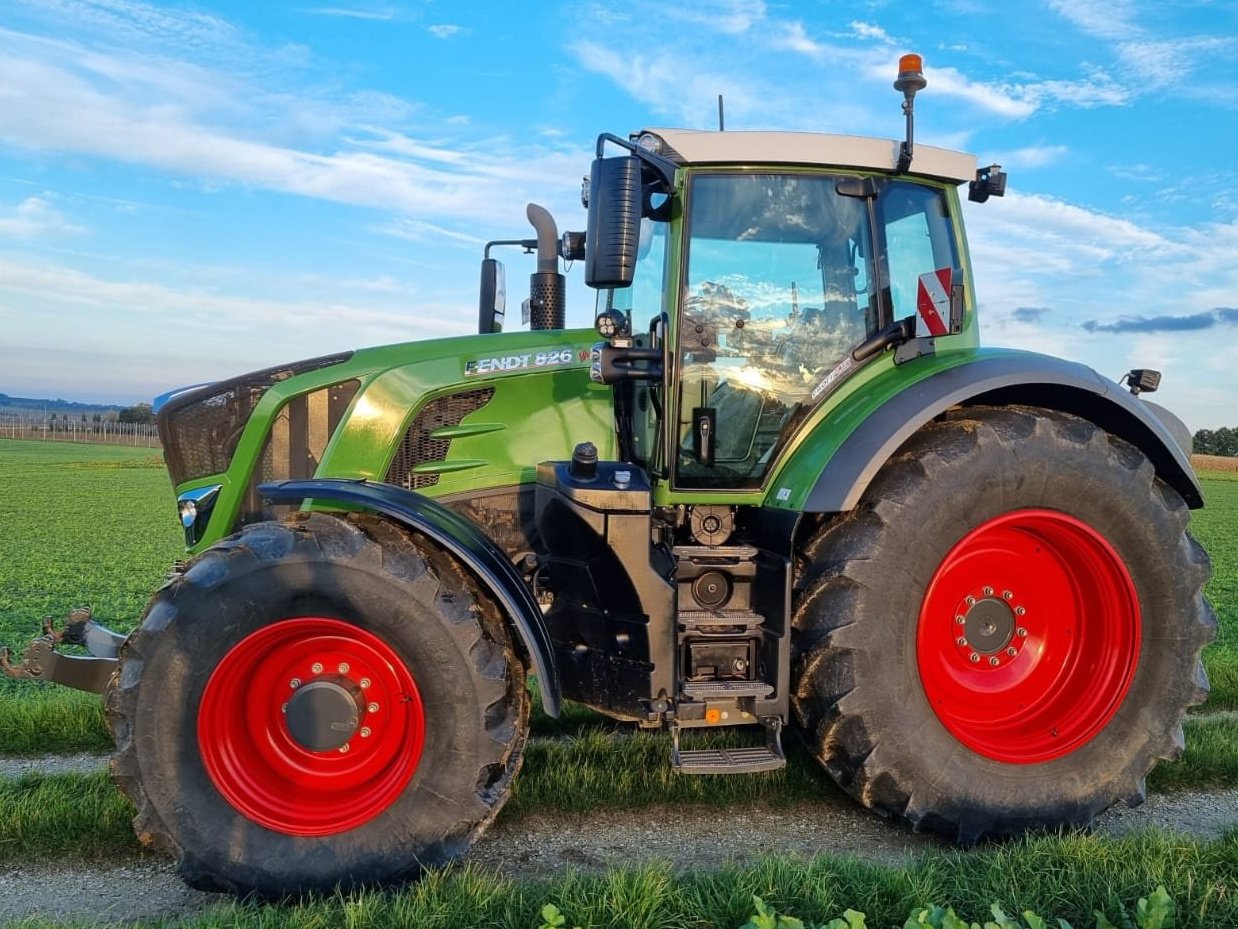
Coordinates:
[765,270]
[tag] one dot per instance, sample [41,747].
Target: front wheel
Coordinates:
[319,703]
[1006,633]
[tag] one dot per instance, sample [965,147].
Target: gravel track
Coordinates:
[547,844]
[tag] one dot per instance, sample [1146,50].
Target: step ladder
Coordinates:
[747,760]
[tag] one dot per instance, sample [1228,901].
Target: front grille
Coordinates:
[200,428]
[295,446]
[419,445]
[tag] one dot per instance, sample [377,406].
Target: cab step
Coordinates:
[720,690]
[748,760]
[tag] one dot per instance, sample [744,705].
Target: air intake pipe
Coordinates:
[547,288]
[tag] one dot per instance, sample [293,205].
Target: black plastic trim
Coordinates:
[1028,379]
[178,400]
[463,540]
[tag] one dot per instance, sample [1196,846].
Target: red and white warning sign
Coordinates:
[933,303]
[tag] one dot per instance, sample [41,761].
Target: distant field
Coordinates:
[1214,463]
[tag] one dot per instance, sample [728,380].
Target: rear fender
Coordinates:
[1021,378]
[462,539]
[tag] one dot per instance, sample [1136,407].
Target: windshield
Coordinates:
[779,288]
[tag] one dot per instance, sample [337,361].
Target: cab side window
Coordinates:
[919,241]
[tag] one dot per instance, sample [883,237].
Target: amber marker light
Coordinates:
[910,75]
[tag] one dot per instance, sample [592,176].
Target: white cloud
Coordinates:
[47,105]
[1032,156]
[153,25]
[385,14]
[1105,19]
[869,31]
[1158,63]
[730,17]
[444,30]
[677,86]
[996,99]
[35,217]
[793,37]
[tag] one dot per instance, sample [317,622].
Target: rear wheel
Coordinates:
[1006,632]
[320,703]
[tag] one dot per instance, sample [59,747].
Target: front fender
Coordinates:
[462,539]
[1022,378]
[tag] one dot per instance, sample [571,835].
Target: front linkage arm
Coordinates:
[41,661]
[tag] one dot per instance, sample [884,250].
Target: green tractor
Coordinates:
[786,489]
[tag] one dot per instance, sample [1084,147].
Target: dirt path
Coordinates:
[547,844]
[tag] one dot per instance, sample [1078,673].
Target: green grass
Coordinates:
[81,525]
[51,816]
[1069,877]
[1216,527]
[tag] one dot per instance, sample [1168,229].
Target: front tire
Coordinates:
[1006,633]
[328,702]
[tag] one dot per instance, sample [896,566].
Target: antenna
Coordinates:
[721,116]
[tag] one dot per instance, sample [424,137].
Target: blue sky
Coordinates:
[188,191]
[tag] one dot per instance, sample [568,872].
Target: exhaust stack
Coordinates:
[547,302]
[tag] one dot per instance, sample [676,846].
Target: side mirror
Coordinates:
[493,300]
[612,237]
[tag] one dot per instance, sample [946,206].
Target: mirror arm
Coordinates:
[898,332]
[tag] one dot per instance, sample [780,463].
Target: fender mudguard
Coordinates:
[463,539]
[1020,378]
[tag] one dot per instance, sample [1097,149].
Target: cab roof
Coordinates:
[697,147]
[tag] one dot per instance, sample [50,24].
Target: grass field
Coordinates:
[95,525]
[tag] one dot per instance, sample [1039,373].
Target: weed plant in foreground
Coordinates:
[1071,878]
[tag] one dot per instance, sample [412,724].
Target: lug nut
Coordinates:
[316,667]
[970,601]
[295,683]
[974,658]
[1021,632]
[988,591]
[343,667]
[961,640]
[1007,594]
[365,682]
[994,662]
[284,708]
[1019,611]
[365,732]
[1012,651]
[344,748]
[960,620]
[371,708]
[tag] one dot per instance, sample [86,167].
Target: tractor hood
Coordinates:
[445,416]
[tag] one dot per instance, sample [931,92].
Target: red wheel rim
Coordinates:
[269,776]
[1028,636]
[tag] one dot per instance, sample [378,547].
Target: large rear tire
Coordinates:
[1006,633]
[328,702]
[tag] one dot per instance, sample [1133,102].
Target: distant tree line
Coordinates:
[141,413]
[1223,441]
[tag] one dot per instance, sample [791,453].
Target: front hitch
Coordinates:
[41,662]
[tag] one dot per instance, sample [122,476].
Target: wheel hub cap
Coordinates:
[323,714]
[989,626]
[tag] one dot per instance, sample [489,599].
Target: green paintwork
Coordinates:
[536,414]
